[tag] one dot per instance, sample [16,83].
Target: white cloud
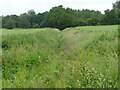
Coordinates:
[21,6]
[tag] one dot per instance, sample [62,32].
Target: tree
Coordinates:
[60,18]
[1,21]
[36,26]
[24,21]
[10,21]
[110,17]
[81,22]
[116,5]
[92,21]
[31,17]
[4,20]
[10,24]
[65,20]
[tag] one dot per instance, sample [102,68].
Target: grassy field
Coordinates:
[79,57]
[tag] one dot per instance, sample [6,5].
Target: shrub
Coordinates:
[36,26]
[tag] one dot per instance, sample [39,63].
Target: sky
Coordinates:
[8,7]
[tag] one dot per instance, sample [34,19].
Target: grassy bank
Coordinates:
[80,57]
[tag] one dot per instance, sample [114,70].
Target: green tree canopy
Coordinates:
[24,21]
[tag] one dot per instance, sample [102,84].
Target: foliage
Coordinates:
[92,21]
[116,5]
[61,18]
[36,26]
[10,24]
[111,17]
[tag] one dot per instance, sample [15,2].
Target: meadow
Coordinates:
[79,57]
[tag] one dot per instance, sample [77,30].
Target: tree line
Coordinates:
[61,18]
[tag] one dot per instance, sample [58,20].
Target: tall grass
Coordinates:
[80,57]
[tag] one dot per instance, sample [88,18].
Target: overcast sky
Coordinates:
[8,7]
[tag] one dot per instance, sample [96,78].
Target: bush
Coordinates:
[10,24]
[36,26]
[92,21]
[81,22]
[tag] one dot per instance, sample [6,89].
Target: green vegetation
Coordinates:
[79,57]
[61,18]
